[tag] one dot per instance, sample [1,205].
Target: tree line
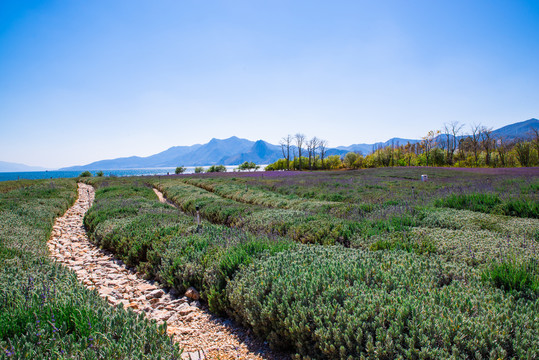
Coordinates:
[300,153]
[446,147]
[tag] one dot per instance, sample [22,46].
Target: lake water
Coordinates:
[53,174]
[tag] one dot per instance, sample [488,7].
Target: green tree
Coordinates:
[334,162]
[248,165]
[349,160]
[199,169]
[522,149]
[86,174]
[180,170]
[216,168]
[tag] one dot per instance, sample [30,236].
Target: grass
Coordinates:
[514,276]
[491,203]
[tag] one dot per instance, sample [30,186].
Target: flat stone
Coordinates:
[143,287]
[186,310]
[156,294]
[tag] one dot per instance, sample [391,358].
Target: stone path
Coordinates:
[202,335]
[162,198]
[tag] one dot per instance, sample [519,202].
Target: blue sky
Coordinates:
[82,81]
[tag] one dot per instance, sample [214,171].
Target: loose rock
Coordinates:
[192,293]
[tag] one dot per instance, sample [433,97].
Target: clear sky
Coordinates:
[83,80]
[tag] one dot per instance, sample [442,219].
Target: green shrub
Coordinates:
[27,215]
[46,313]
[85,174]
[210,258]
[491,203]
[216,168]
[335,303]
[474,221]
[299,225]
[256,196]
[514,276]
[521,208]
[475,202]
[405,241]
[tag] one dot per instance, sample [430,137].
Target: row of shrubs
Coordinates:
[322,302]
[301,226]
[234,190]
[45,312]
[336,303]
[491,203]
[164,243]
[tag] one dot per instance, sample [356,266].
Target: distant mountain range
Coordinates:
[233,151]
[15,167]
[510,132]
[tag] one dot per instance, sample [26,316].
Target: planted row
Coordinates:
[166,244]
[298,225]
[234,190]
[336,303]
[492,203]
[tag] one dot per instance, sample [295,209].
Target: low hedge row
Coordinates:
[164,243]
[336,303]
[232,189]
[491,203]
[301,226]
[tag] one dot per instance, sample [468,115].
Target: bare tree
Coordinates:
[300,140]
[285,143]
[475,138]
[502,147]
[311,149]
[429,142]
[487,142]
[452,131]
[392,152]
[322,147]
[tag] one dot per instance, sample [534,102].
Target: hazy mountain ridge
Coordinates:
[234,151]
[16,167]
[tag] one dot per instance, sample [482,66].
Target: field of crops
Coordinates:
[344,265]
[45,313]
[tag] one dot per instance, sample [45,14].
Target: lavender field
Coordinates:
[350,264]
